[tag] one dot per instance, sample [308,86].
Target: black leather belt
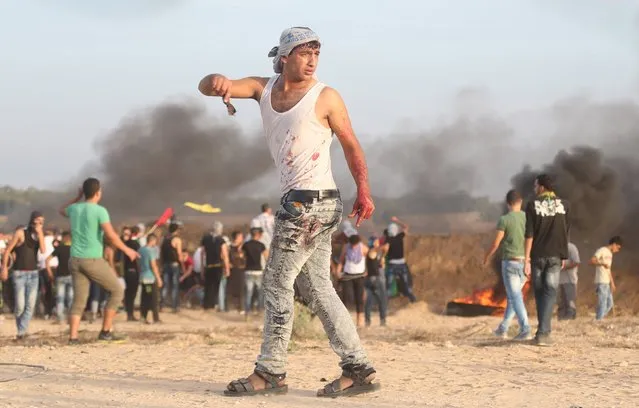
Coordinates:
[307,196]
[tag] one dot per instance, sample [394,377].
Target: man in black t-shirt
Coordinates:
[394,250]
[254,250]
[546,247]
[215,259]
[62,276]
[131,274]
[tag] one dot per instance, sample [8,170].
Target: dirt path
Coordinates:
[423,360]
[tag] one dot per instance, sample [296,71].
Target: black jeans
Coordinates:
[212,279]
[150,300]
[132,279]
[356,287]
[545,278]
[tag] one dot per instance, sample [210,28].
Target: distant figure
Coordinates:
[215,258]
[547,228]
[254,251]
[25,245]
[150,279]
[351,272]
[567,302]
[61,274]
[375,282]
[394,248]
[172,266]
[266,221]
[510,234]
[602,260]
[131,275]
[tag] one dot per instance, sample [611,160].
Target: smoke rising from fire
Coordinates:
[173,153]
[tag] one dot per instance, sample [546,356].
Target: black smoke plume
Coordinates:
[173,153]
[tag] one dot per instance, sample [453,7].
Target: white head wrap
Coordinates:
[348,229]
[290,38]
[393,229]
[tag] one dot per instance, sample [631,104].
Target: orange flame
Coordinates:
[487,297]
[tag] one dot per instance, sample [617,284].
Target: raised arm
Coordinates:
[63,209]
[245,88]
[340,124]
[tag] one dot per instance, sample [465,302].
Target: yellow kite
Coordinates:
[205,208]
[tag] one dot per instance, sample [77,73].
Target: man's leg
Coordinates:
[611,302]
[370,295]
[145,301]
[382,295]
[31,293]
[19,290]
[570,293]
[99,271]
[221,294]
[81,287]
[155,302]
[249,285]
[550,282]
[60,297]
[515,277]
[130,292]
[562,302]
[175,287]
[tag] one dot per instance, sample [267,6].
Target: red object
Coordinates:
[168,213]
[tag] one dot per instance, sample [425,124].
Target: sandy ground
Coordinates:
[423,360]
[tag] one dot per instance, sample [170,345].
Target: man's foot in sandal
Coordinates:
[258,383]
[355,381]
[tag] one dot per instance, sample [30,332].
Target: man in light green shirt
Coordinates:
[90,222]
[510,234]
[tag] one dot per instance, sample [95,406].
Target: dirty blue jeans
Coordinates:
[604,300]
[301,248]
[514,281]
[545,278]
[25,287]
[171,280]
[64,295]
[376,293]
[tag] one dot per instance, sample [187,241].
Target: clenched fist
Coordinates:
[216,85]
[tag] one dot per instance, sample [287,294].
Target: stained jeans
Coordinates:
[376,293]
[514,281]
[25,287]
[545,277]
[64,295]
[605,301]
[171,280]
[301,248]
[404,281]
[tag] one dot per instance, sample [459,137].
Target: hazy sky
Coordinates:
[71,69]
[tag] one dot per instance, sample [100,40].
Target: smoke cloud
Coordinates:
[173,153]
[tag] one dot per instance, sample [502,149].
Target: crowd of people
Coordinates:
[221,272]
[535,245]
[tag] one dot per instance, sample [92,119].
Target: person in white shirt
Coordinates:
[602,261]
[266,221]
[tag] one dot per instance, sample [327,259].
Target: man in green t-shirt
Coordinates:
[510,234]
[90,222]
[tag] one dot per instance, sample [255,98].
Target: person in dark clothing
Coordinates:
[25,245]
[62,276]
[394,249]
[215,257]
[375,282]
[131,275]
[173,265]
[254,251]
[546,250]
[351,272]
[237,260]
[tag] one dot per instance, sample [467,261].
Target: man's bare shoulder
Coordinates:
[330,99]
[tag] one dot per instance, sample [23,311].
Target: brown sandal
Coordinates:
[243,386]
[362,383]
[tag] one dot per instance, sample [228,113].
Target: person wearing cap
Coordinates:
[27,242]
[300,114]
[394,249]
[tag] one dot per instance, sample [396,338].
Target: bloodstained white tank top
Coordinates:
[299,143]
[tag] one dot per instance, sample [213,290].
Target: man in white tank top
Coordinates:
[300,115]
